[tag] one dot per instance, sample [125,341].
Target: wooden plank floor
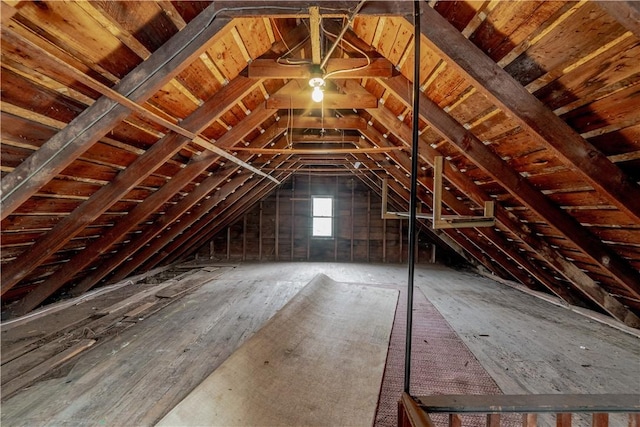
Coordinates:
[526,344]
[318,362]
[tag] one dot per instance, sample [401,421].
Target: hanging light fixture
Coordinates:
[317,83]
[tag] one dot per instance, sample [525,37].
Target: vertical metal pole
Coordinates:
[413,199]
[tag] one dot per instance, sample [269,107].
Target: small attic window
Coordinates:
[322,216]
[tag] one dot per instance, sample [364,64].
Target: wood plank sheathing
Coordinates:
[318,361]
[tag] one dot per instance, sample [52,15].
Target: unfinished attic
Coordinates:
[268,213]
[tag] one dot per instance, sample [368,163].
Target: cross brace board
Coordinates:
[456,221]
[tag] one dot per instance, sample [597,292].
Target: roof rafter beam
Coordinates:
[495,83]
[333,101]
[626,12]
[170,216]
[95,248]
[503,254]
[170,246]
[349,68]
[520,188]
[300,9]
[126,180]
[304,122]
[480,249]
[93,123]
[185,244]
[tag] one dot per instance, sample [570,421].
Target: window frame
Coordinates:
[332,217]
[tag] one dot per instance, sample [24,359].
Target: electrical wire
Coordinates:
[362,67]
[344,30]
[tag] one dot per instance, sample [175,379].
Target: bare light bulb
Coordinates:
[317,95]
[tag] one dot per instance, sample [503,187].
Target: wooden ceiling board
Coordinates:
[198,79]
[146,21]
[44,56]
[24,53]
[499,25]
[172,99]
[593,78]
[527,28]
[25,94]
[470,107]
[618,110]
[460,13]
[227,56]
[256,35]
[590,82]
[588,27]
[70,28]
[445,88]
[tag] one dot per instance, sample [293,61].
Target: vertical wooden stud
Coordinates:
[309,230]
[277,226]
[244,237]
[211,249]
[600,419]
[368,226]
[260,234]
[417,247]
[335,226]
[529,420]
[353,218]
[563,419]
[314,32]
[293,213]
[384,240]
[493,420]
[634,419]
[455,420]
[400,238]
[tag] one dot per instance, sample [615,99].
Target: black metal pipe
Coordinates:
[414,197]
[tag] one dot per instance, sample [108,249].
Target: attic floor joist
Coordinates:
[532,108]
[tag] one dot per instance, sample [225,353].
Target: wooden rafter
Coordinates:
[198,165]
[491,256]
[212,222]
[92,124]
[305,122]
[191,226]
[170,216]
[107,195]
[318,151]
[349,68]
[503,252]
[300,9]
[332,101]
[495,83]
[524,191]
[626,12]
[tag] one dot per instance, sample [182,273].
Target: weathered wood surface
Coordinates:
[147,369]
[143,371]
[319,361]
[140,84]
[531,403]
[33,374]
